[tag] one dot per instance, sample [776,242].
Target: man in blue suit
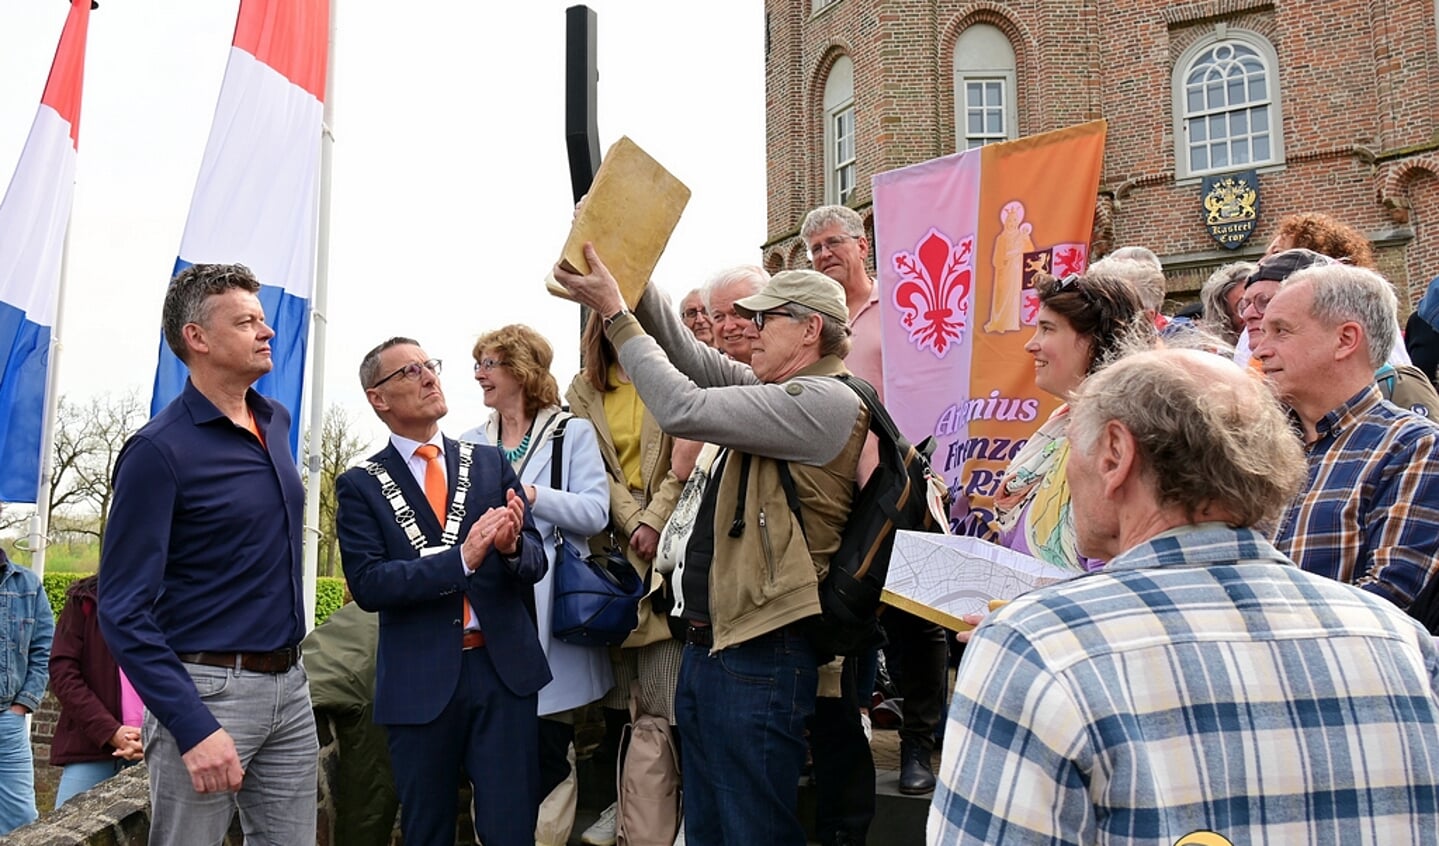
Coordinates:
[434,535]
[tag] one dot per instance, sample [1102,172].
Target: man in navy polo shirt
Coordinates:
[200,597]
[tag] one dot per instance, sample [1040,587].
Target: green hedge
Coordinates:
[329,596]
[55,586]
[329,593]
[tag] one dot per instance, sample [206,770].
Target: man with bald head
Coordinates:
[1200,688]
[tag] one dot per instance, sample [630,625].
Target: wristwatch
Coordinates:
[616,316]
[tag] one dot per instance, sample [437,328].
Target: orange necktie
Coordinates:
[435,492]
[434,479]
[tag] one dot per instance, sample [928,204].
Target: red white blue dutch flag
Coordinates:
[257,196]
[33,218]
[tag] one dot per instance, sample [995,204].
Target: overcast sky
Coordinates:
[451,188]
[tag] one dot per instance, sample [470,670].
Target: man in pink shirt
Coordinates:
[839,249]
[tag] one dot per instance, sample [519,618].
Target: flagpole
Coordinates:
[319,319]
[39,539]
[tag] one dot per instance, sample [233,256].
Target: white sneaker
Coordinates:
[680,838]
[602,833]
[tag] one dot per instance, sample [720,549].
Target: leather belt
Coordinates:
[474,639]
[279,661]
[700,636]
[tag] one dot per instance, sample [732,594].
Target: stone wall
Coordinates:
[117,812]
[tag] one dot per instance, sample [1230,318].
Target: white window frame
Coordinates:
[984,56]
[842,171]
[840,166]
[1185,119]
[1003,85]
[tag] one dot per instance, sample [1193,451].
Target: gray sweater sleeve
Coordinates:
[707,366]
[806,419]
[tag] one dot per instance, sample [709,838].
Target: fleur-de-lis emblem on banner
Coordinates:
[933,291]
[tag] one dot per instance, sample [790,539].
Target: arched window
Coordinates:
[984,87]
[1226,94]
[839,132]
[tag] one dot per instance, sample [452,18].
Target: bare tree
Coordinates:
[88,438]
[339,447]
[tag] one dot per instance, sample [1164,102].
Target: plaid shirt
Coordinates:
[1200,682]
[1370,512]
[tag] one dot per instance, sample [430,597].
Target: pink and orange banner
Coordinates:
[958,241]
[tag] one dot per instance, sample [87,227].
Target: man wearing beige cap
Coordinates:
[749,582]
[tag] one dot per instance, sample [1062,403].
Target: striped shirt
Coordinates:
[1200,682]
[1369,514]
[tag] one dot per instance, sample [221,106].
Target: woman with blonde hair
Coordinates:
[642,493]
[512,367]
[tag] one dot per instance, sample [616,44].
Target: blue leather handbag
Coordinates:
[596,597]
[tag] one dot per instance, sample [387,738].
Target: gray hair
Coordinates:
[1343,293]
[826,216]
[834,334]
[749,274]
[370,364]
[1208,434]
[1214,293]
[1143,255]
[188,299]
[1139,268]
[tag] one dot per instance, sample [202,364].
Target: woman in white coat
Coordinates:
[512,367]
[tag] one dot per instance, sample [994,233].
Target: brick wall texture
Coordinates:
[1358,83]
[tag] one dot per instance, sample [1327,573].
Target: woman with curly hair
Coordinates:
[512,369]
[1324,235]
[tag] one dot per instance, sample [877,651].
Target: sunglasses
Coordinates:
[760,317]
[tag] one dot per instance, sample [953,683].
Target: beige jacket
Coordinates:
[764,579]
[769,576]
[628,509]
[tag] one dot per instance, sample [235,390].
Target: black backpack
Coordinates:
[894,497]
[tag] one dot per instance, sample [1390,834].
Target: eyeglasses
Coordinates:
[831,244]
[412,371]
[1259,301]
[691,313]
[761,316]
[485,365]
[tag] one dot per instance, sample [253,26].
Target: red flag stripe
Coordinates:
[67,74]
[287,35]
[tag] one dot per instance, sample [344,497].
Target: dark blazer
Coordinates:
[418,599]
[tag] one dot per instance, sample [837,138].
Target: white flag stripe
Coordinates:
[33,218]
[265,133]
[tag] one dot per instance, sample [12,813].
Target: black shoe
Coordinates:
[915,776]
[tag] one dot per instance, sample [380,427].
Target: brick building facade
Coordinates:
[1336,104]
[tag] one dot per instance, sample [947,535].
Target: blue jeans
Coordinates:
[268,717]
[741,714]
[79,777]
[17,773]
